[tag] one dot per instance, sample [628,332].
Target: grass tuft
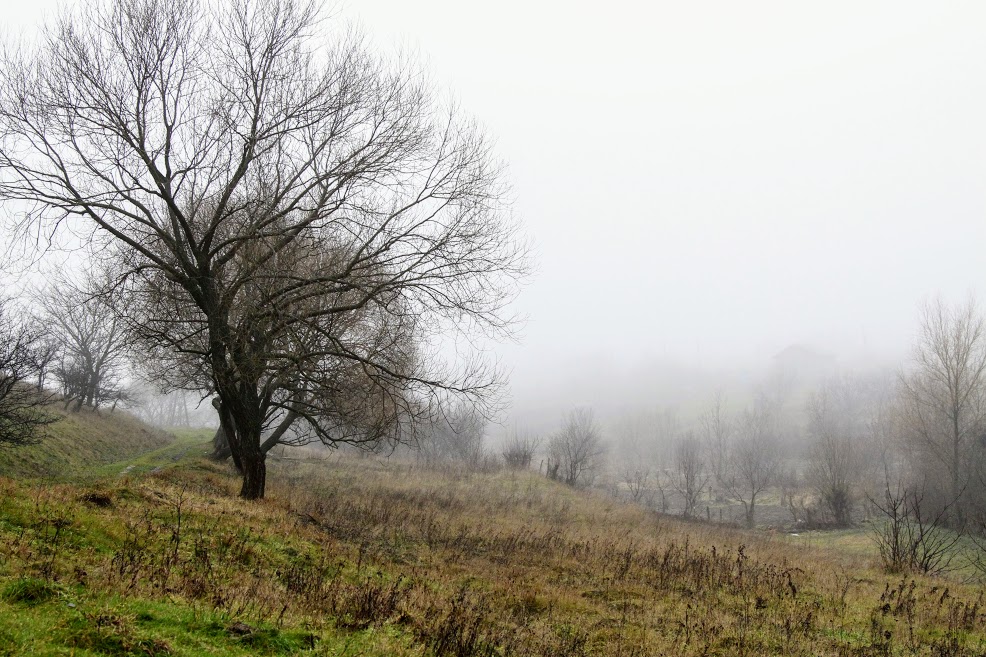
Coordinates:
[29,591]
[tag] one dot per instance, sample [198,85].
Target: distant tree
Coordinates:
[753,459]
[633,458]
[176,408]
[717,431]
[45,352]
[91,342]
[22,406]
[636,476]
[942,398]
[690,476]
[304,224]
[519,449]
[839,420]
[456,438]
[575,452]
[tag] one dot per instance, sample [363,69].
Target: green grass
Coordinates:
[367,556]
[106,578]
[857,541]
[185,444]
[79,442]
[81,624]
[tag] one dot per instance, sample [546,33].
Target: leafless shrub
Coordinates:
[575,452]
[912,537]
[518,452]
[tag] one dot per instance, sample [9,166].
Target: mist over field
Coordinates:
[478,330]
[706,185]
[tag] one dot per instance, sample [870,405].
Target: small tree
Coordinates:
[912,536]
[22,405]
[690,476]
[575,452]
[753,459]
[839,418]
[636,476]
[518,452]
[91,342]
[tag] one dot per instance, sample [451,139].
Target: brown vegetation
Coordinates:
[490,564]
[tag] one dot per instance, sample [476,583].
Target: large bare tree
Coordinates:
[294,210]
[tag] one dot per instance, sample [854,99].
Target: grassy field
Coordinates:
[80,442]
[365,556]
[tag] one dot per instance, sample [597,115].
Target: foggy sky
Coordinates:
[709,182]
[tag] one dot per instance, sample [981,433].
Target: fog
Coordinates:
[707,184]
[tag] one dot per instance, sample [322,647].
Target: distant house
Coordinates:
[801,365]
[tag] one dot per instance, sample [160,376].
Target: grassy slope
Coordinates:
[79,442]
[362,556]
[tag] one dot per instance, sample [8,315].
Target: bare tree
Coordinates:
[912,537]
[457,438]
[636,476]
[90,341]
[753,459]
[690,476]
[46,351]
[717,430]
[175,408]
[22,406]
[303,223]
[633,457]
[575,452]
[839,418]
[518,452]
[943,396]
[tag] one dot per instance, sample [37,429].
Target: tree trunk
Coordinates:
[254,468]
[220,446]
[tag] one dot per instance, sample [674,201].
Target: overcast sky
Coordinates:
[709,182]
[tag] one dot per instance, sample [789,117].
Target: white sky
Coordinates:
[708,182]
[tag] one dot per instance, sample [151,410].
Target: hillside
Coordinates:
[81,441]
[364,556]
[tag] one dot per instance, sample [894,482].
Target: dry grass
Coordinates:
[561,572]
[468,564]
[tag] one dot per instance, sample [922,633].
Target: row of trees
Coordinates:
[921,432]
[723,458]
[68,339]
